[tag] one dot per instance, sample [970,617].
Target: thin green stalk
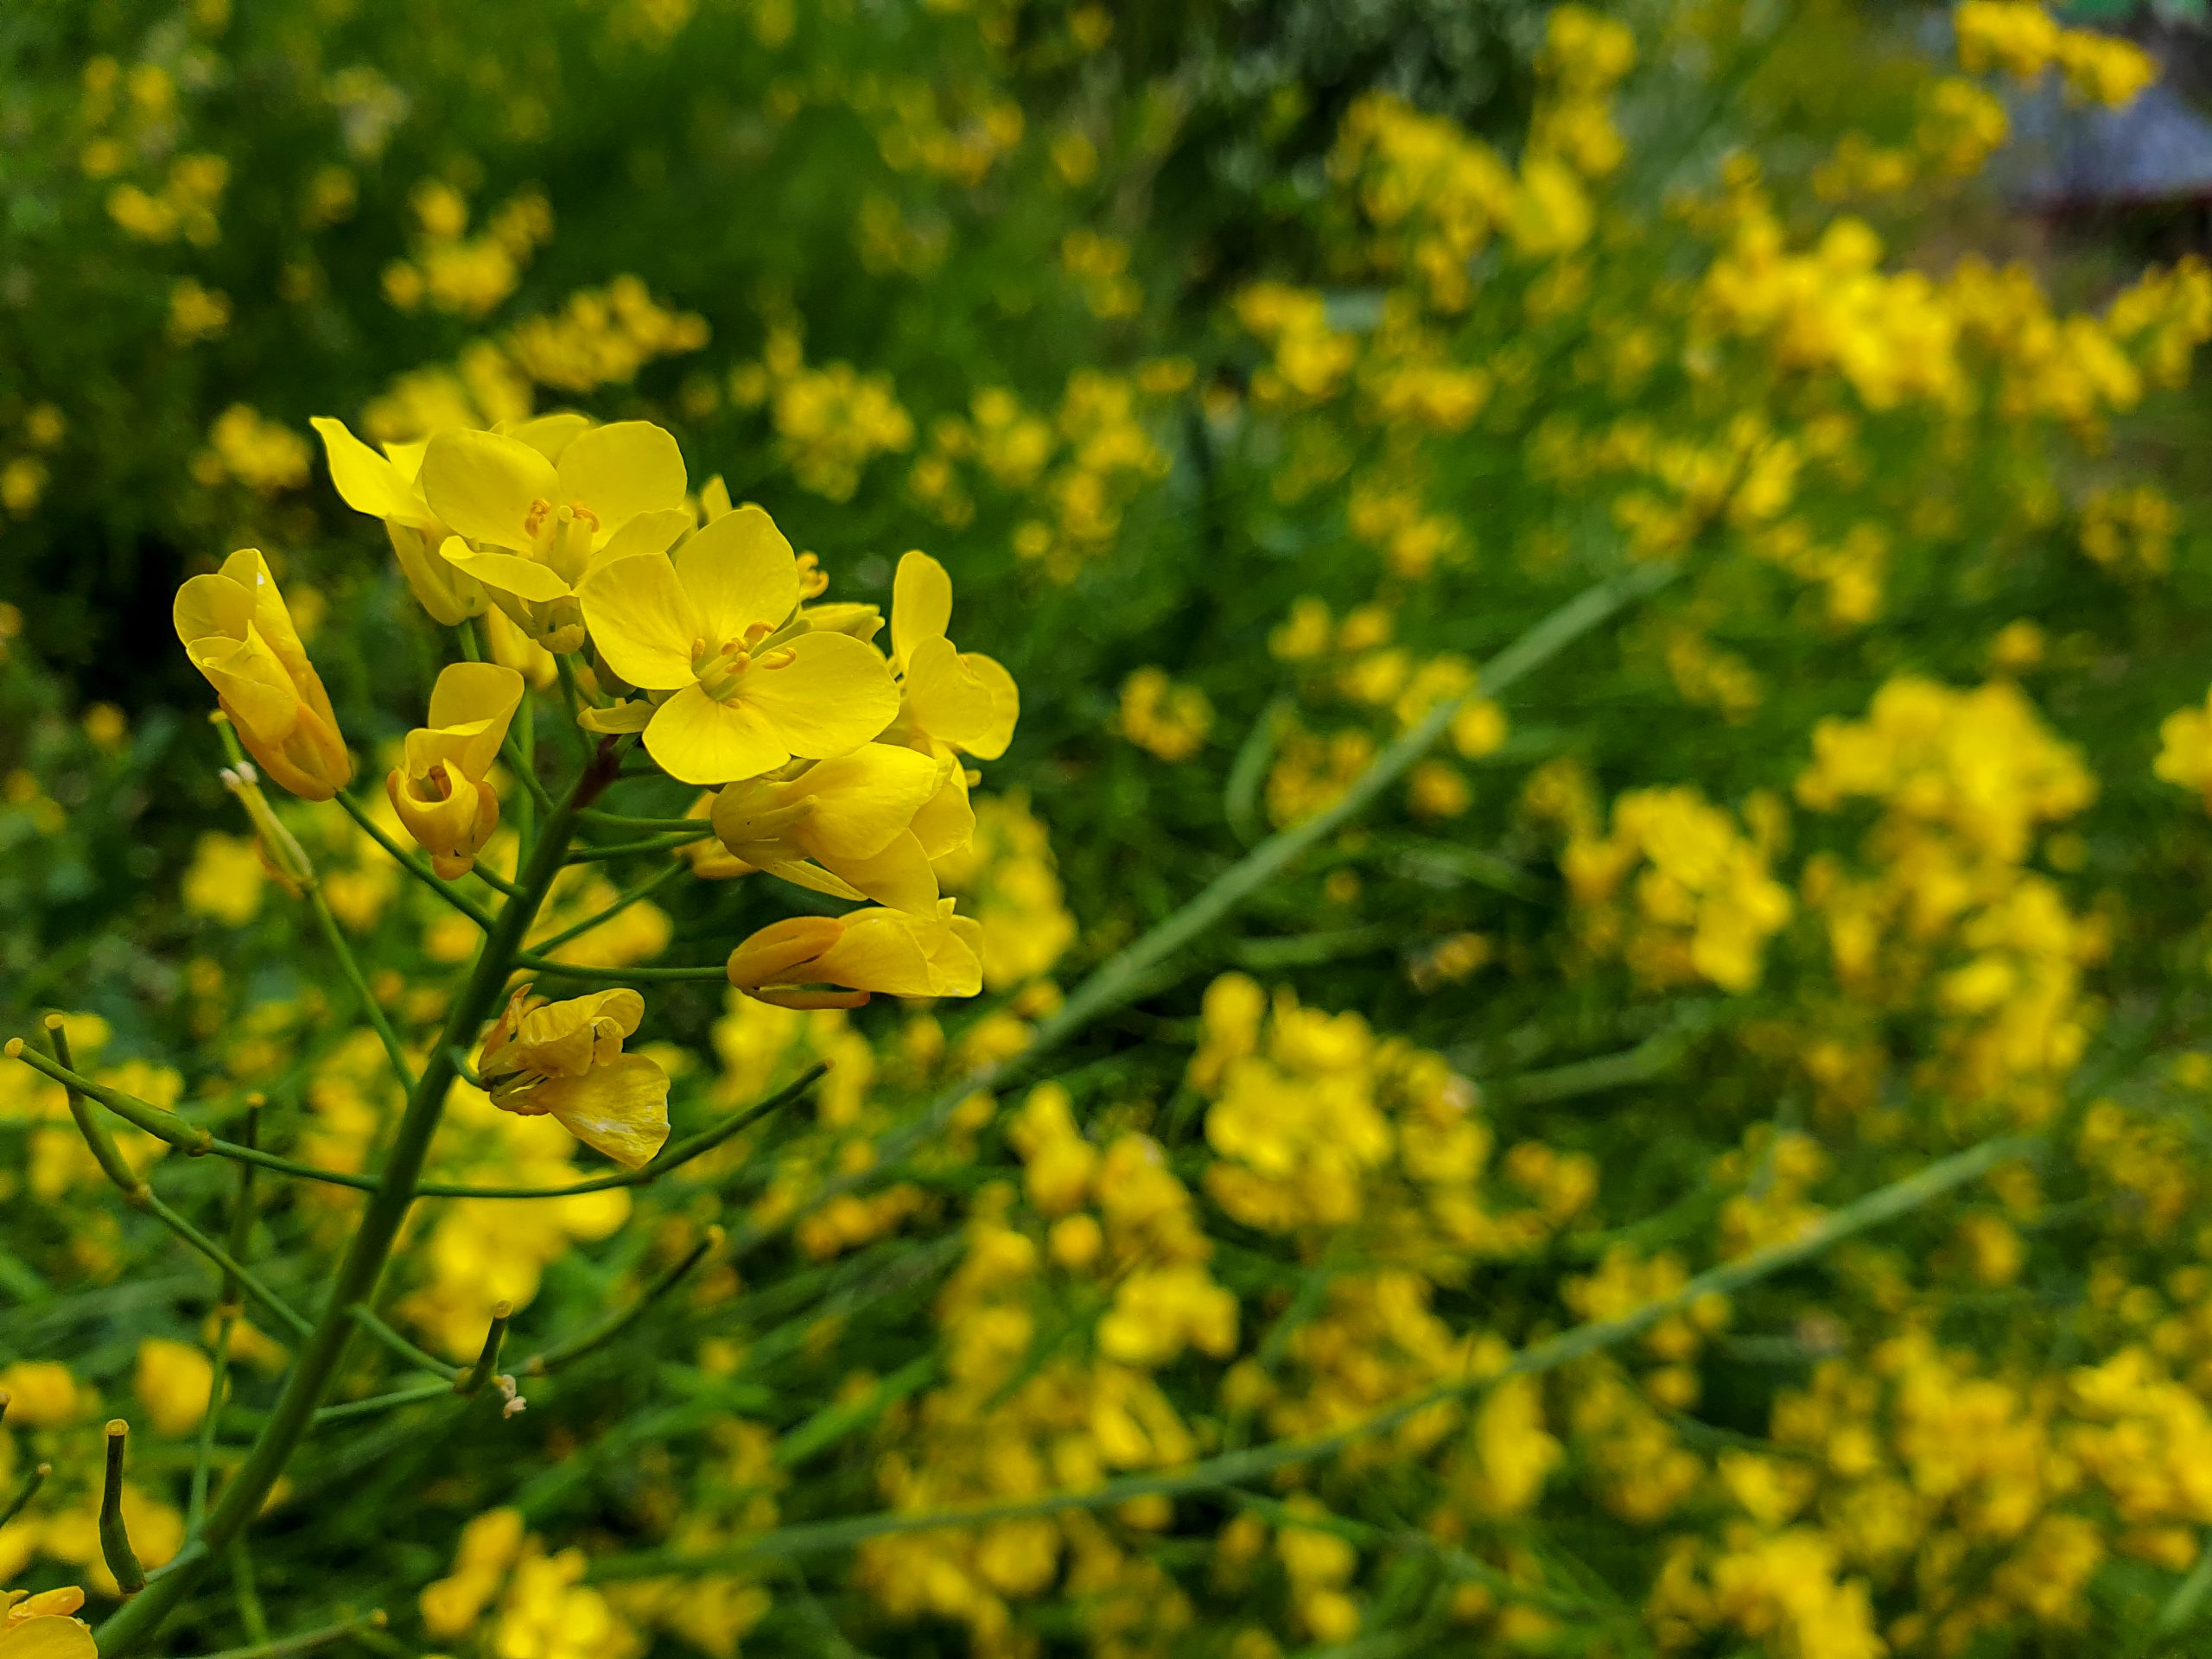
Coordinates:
[598,1336]
[25,1492]
[628,848]
[228,1308]
[524,735]
[372,1010]
[538,963]
[644,826]
[473,1380]
[519,761]
[493,880]
[682,1152]
[1125,975]
[420,1395]
[133,1626]
[644,889]
[399,1345]
[307,1640]
[248,1593]
[414,866]
[287,1315]
[162,1126]
[1231,1468]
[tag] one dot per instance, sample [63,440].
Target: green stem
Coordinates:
[335,938]
[162,1126]
[671,1158]
[24,1493]
[413,865]
[399,1345]
[414,1396]
[538,963]
[1884,1204]
[237,1243]
[599,1335]
[658,844]
[646,826]
[306,1642]
[133,1626]
[287,1315]
[522,734]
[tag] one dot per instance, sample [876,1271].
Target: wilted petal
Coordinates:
[619,1109]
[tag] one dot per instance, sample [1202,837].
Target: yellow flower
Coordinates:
[886,950]
[440,793]
[390,487]
[533,510]
[962,699]
[566,1058]
[853,826]
[44,1626]
[174,1381]
[751,684]
[238,633]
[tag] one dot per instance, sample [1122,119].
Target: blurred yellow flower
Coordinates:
[238,633]
[174,1380]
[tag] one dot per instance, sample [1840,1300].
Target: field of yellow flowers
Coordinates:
[1022,828]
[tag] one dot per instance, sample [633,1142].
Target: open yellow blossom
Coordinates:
[790,963]
[566,1058]
[44,1626]
[856,826]
[390,487]
[238,633]
[962,699]
[532,510]
[440,793]
[752,685]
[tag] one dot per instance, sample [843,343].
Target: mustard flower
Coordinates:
[440,792]
[238,633]
[566,1058]
[390,487]
[847,826]
[959,699]
[44,1626]
[789,963]
[529,518]
[743,685]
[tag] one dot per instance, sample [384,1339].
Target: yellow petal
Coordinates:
[47,1638]
[510,573]
[449,594]
[546,433]
[901,955]
[642,622]
[830,695]
[899,876]
[484,486]
[862,801]
[629,715]
[775,952]
[620,1109]
[619,471]
[921,604]
[564,1038]
[366,482]
[739,570]
[482,697]
[946,822]
[714,500]
[253,686]
[647,532]
[697,741]
[210,607]
[965,699]
[812,877]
